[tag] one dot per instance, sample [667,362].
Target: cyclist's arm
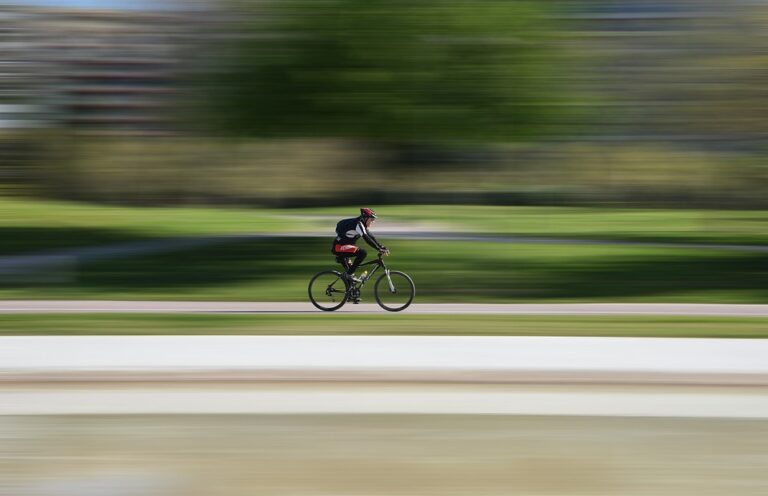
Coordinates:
[375,243]
[368,237]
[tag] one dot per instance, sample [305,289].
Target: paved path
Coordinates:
[384,398]
[66,259]
[501,238]
[312,358]
[424,353]
[223,307]
[384,374]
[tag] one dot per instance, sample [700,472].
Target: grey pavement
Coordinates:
[384,353]
[333,398]
[384,374]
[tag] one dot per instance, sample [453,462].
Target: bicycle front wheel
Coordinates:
[328,290]
[394,291]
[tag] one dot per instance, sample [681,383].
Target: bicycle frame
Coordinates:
[378,263]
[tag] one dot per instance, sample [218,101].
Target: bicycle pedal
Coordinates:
[356,301]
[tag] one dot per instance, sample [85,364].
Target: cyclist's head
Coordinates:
[367,215]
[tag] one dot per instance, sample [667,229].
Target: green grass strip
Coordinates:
[279,270]
[28,224]
[384,324]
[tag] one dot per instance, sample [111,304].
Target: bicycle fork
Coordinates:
[389,281]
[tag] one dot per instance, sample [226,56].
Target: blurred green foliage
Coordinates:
[316,172]
[402,70]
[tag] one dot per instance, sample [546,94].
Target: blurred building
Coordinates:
[20,88]
[93,71]
[675,70]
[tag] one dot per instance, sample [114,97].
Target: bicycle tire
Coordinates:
[335,276]
[410,286]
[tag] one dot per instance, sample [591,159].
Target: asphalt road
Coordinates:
[223,307]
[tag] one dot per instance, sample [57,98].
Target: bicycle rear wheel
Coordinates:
[328,290]
[394,291]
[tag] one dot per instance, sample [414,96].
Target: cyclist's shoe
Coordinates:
[355,300]
[352,278]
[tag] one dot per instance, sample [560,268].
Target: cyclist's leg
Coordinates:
[360,255]
[341,258]
[345,252]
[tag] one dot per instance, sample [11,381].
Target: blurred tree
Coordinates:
[398,71]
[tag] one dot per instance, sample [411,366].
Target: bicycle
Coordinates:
[329,290]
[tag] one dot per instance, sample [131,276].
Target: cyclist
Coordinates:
[348,231]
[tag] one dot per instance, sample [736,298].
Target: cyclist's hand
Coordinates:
[384,251]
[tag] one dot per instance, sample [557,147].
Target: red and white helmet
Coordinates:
[367,213]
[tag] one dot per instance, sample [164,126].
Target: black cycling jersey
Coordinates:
[348,231]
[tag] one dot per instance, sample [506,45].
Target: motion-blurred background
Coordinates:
[515,150]
[628,121]
[290,103]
